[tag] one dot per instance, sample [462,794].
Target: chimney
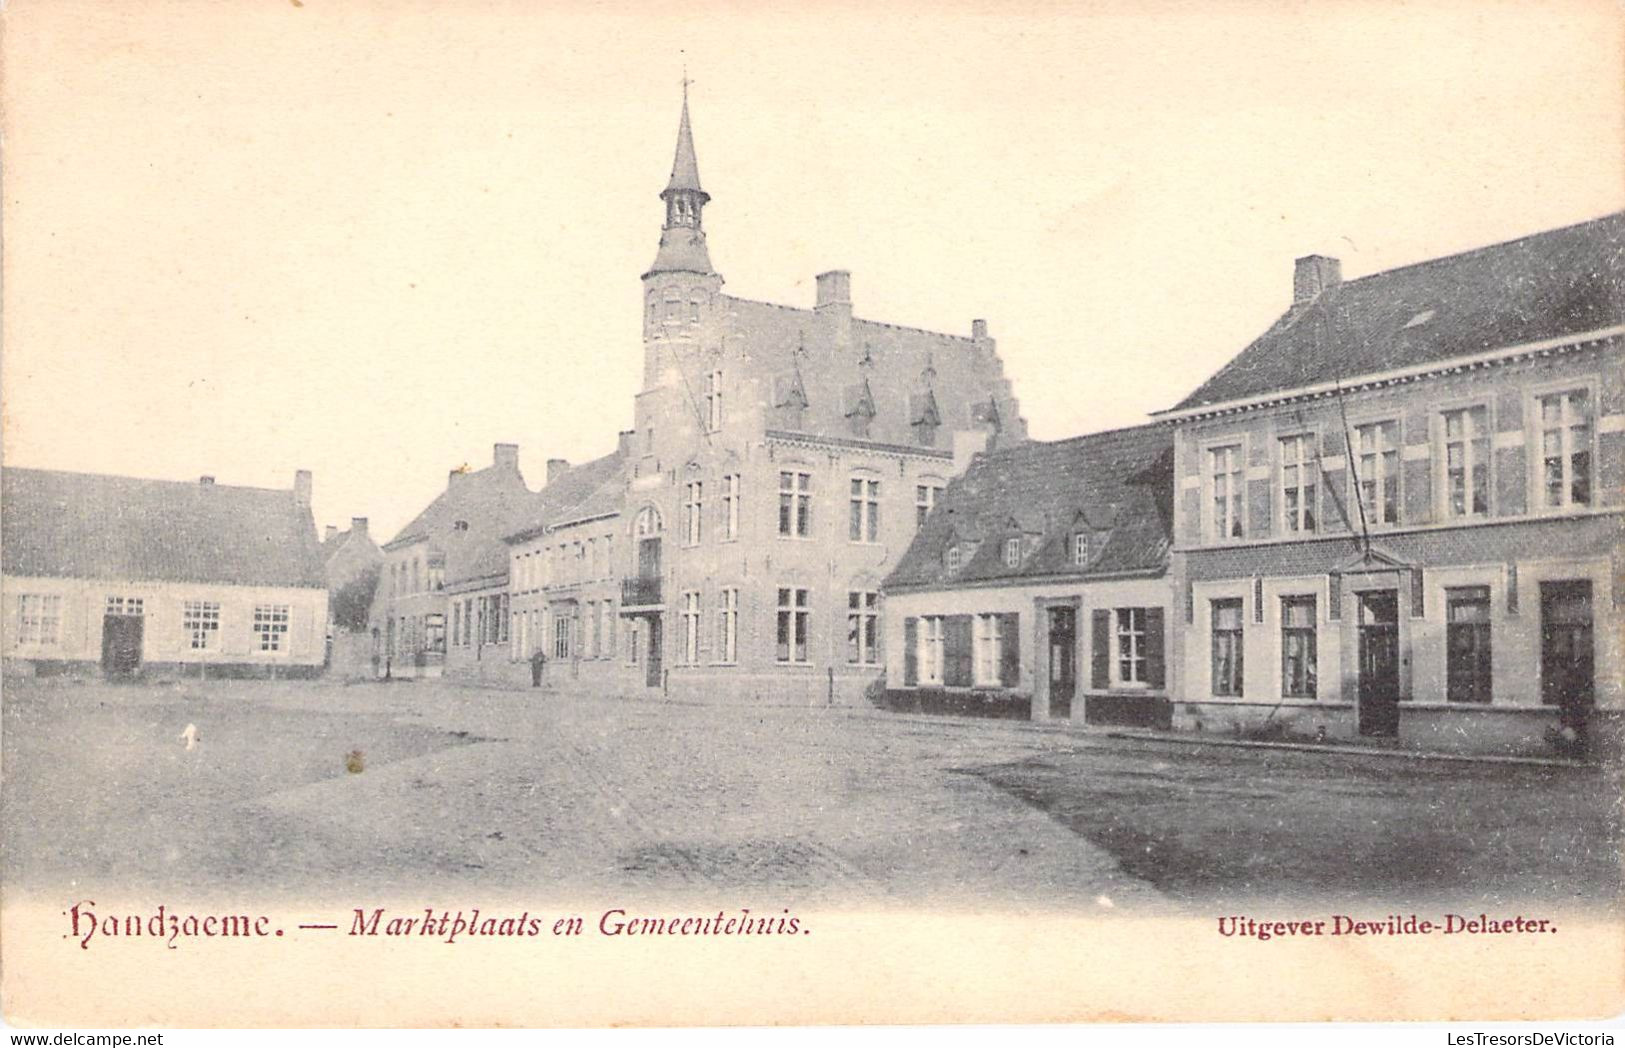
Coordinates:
[835,303]
[206,481]
[623,441]
[505,456]
[978,329]
[358,525]
[1313,274]
[454,475]
[301,487]
[835,289]
[557,468]
[331,530]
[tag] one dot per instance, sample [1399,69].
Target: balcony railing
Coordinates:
[640,592]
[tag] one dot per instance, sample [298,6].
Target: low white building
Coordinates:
[125,576]
[1039,586]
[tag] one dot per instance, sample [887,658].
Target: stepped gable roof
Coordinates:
[487,500]
[966,373]
[592,489]
[1117,486]
[96,526]
[1561,282]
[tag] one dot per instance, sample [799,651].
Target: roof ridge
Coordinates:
[1494,246]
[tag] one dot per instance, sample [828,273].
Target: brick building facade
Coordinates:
[773,476]
[1399,510]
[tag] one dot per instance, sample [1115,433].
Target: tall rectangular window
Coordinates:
[795,504]
[794,620]
[865,522]
[713,401]
[958,670]
[863,627]
[1298,647]
[1466,462]
[39,618]
[200,624]
[271,626]
[1376,457]
[691,627]
[931,661]
[693,512]
[925,500]
[989,647]
[1467,644]
[561,636]
[1226,490]
[1227,647]
[1131,647]
[730,507]
[1012,553]
[728,625]
[1298,483]
[1565,449]
[1080,549]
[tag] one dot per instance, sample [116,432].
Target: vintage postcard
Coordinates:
[703,514]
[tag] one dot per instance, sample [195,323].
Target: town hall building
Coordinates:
[780,461]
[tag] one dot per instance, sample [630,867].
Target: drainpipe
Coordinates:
[830,700]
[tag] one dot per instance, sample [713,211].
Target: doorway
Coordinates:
[1063,661]
[121,644]
[1567,653]
[652,665]
[1379,663]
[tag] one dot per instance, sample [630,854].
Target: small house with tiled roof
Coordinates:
[1399,509]
[128,576]
[1038,585]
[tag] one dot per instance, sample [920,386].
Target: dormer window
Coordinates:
[1012,553]
[459,525]
[1080,549]
[953,558]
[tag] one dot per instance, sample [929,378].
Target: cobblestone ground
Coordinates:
[488,789]
[467,790]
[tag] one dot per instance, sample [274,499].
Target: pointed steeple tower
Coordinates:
[682,238]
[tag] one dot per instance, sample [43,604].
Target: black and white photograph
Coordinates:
[1005,513]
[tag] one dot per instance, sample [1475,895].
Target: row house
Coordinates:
[444,575]
[125,577]
[1399,509]
[564,571]
[780,461]
[1040,586]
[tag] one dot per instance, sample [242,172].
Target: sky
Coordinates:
[373,238]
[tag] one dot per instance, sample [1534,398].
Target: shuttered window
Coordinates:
[1100,649]
[957,653]
[1010,653]
[911,652]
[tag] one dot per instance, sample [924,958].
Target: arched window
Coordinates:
[647,523]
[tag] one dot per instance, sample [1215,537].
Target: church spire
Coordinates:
[682,238]
[685,170]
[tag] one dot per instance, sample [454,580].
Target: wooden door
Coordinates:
[1379,663]
[1063,660]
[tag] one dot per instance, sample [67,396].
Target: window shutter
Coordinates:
[1155,674]
[1100,649]
[911,653]
[1010,653]
[957,651]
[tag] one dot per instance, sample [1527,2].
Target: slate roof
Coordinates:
[1561,282]
[892,369]
[1116,485]
[592,489]
[487,499]
[95,526]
